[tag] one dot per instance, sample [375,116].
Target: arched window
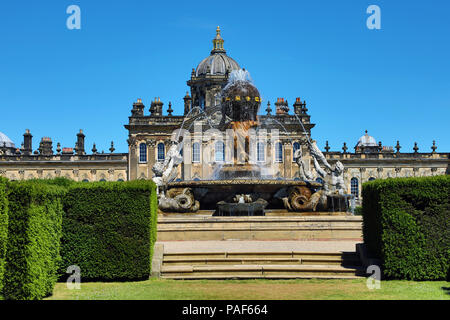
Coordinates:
[372,179]
[354,185]
[220,151]
[319,180]
[260,152]
[102,180]
[85,180]
[143,153]
[196,152]
[161,152]
[120,180]
[278,152]
[296,146]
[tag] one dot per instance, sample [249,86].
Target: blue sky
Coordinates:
[394,82]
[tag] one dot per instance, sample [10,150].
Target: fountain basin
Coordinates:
[210,193]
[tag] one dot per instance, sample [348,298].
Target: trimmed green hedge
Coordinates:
[34,233]
[3,226]
[62,182]
[406,223]
[109,229]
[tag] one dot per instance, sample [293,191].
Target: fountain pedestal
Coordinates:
[241,209]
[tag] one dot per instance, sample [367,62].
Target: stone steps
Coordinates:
[252,265]
[259,228]
[271,277]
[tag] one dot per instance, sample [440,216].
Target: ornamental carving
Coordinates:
[131,141]
[151,143]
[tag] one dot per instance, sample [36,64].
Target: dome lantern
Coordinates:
[218,43]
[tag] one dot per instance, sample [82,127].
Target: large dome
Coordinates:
[218,63]
[5,141]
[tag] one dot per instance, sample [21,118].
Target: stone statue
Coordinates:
[337,178]
[243,198]
[178,200]
[304,174]
[174,200]
[317,154]
[301,199]
[166,172]
[337,171]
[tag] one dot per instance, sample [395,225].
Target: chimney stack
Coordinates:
[138,109]
[27,143]
[46,147]
[156,108]
[187,103]
[298,106]
[80,143]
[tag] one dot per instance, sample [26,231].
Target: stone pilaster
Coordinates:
[151,159]
[133,160]
[205,159]
[187,161]
[287,149]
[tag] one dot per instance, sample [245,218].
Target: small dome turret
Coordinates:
[367,141]
[367,144]
[5,141]
[6,145]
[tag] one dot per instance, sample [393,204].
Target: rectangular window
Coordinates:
[261,152]
[161,152]
[143,153]
[278,152]
[196,152]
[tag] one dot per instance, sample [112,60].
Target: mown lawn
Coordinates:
[155,289]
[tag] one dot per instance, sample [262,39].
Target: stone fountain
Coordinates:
[238,189]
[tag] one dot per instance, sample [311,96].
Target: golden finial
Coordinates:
[218,42]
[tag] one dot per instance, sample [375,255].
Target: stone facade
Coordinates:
[71,163]
[151,134]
